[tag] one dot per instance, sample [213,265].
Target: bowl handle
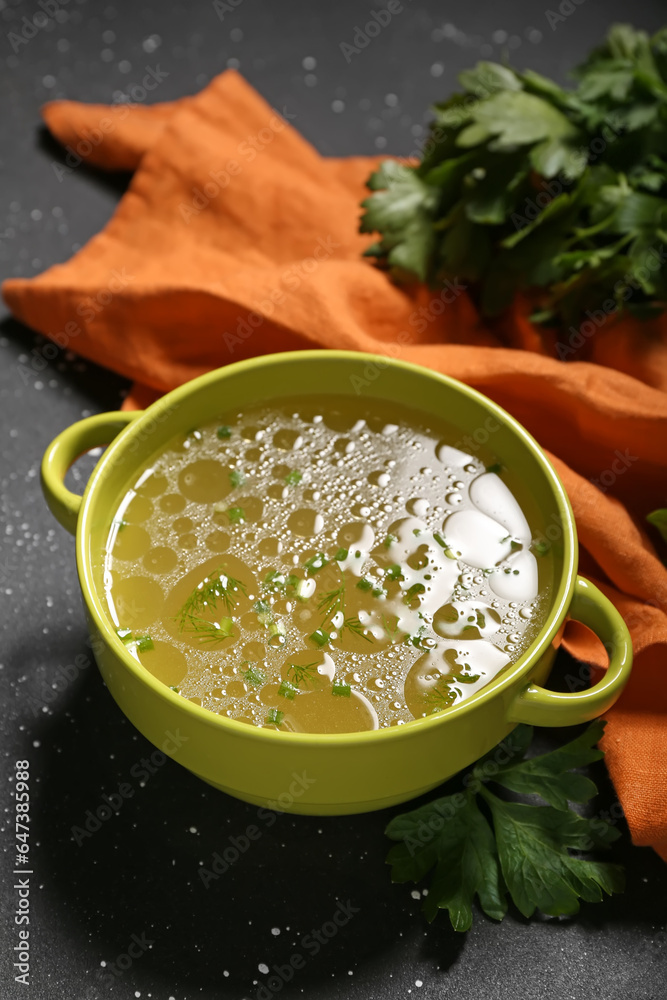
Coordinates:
[539,707]
[64,451]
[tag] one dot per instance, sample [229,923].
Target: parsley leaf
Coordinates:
[464,857]
[533,845]
[658,518]
[551,777]
[404,213]
[493,848]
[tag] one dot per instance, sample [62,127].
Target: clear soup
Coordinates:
[326,565]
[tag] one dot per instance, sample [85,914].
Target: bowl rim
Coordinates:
[505,680]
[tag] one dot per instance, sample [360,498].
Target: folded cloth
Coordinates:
[235,238]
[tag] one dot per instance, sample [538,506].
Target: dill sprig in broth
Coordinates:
[332,605]
[216,587]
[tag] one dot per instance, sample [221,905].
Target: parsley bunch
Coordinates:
[527,187]
[509,847]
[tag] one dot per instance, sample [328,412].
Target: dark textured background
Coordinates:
[138,874]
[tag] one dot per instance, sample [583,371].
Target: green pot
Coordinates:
[325,774]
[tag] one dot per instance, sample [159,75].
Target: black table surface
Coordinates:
[124,913]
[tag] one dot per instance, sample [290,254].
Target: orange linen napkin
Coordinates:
[236,238]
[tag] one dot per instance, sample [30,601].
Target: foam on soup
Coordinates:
[320,564]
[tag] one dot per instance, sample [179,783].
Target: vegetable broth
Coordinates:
[322,564]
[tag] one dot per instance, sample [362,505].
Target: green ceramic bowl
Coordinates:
[344,773]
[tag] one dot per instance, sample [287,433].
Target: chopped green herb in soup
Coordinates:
[326,565]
